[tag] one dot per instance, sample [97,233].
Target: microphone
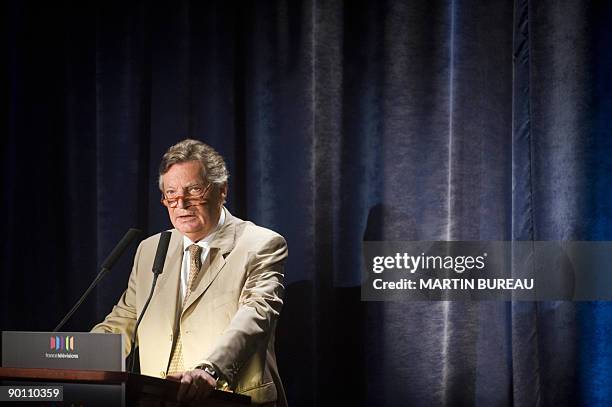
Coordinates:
[160,254]
[120,248]
[158,267]
[107,265]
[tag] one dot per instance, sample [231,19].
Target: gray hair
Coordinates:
[214,169]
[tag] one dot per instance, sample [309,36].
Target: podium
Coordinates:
[87,388]
[88,369]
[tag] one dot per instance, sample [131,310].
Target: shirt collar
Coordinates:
[206,241]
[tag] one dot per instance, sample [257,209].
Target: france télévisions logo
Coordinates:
[61,343]
[62,347]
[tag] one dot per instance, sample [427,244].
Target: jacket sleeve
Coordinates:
[122,318]
[259,306]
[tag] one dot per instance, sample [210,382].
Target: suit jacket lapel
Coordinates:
[222,244]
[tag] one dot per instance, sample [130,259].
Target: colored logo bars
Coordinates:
[61,343]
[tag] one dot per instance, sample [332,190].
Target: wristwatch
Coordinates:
[221,383]
[211,371]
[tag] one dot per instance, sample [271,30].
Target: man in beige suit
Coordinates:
[213,314]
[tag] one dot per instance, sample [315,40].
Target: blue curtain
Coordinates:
[341,122]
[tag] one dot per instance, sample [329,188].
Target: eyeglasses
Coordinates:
[194,195]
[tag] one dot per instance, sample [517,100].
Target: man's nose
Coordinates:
[180,203]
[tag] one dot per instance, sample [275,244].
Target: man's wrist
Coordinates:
[220,381]
[211,371]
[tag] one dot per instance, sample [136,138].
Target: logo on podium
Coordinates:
[61,343]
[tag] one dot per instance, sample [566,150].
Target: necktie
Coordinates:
[195,254]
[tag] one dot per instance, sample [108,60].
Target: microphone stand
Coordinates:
[158,267]
[108,264]
[132,355]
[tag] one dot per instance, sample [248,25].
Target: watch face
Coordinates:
[211,372]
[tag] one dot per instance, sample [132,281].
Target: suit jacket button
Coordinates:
[162,375]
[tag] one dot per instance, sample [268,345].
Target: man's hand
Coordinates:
[196,384]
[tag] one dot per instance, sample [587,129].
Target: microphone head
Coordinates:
[129,237]
[162,250]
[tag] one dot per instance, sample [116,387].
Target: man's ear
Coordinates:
[223,193]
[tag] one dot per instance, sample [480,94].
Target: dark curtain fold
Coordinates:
[341,122]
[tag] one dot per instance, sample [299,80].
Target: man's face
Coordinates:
[201,218]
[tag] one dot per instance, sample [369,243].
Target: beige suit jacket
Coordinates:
[230,317]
